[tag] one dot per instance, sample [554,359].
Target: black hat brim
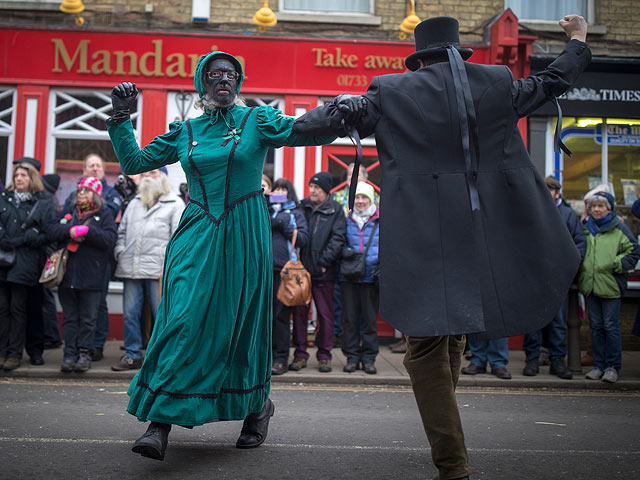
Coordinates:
[412,60]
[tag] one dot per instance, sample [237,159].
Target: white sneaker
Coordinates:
[610,375]
[595,374]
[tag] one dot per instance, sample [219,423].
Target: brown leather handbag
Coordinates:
[295,281]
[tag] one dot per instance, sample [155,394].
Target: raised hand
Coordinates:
[575,27]
[123,96]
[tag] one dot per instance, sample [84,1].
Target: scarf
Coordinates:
[21,197]
[362,217]
[594,225]
[86,209]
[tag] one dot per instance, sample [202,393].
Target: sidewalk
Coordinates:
[389,365]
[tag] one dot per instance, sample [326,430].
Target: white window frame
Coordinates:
[8,129]
[590,14]
[552,25]
[328,16]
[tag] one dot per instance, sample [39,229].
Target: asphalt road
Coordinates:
[64,429]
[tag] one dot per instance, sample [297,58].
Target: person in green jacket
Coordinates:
[611,251]
[209,358]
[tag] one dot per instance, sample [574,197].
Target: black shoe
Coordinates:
[154,441]
[49,345]
[501,373]
[325,366]
[298,364]
[369,368]
[255,427]
[278,368]
[473,369]
[36,360]
[560,369]
[97,354]
[350,367]
[530,368]
[127,363]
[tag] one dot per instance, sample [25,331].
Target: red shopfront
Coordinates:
[55,84]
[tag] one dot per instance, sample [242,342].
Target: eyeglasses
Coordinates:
[217,74]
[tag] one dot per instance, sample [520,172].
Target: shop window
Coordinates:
[583,170]
[338,6]
[7,113]
[549,10]
[78,129]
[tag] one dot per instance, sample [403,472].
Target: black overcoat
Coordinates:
[446,269]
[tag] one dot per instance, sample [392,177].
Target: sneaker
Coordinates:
[97,354]
[68,364]
[84,362]
[325,366]
[610,375]
[560,369]
[127,363]
[11,363]
[298,364]
[595,374]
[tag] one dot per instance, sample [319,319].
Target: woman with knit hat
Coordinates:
[209,358]
[88,231]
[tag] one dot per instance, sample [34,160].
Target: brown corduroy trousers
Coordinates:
[433,364]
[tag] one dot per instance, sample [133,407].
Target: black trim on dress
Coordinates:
[239,391]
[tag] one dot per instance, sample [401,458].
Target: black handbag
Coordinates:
[353,263]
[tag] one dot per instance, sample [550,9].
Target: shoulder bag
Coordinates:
[295,281]
[353,263]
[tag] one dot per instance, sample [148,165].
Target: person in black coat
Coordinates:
[554,334]
[89,232]
[326,222]
[451,152]
[24,212]
[286,217]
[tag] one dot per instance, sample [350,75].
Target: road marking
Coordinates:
[305,446]
[344,388]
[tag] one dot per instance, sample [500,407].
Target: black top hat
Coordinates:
[34,162]
[433,36]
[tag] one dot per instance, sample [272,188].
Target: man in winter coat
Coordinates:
[452,155]
[555,333]
[326,223]
[145,229]
[611,251]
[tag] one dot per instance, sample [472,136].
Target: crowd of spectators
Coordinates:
[33,225]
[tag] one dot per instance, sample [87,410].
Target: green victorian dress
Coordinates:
[209,357]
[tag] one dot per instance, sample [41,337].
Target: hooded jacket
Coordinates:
[283,223]
[326,223]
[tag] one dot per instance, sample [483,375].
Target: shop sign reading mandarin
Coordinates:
[272,64]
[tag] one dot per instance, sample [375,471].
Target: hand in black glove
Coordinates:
[31,237]
[123,96]
[277,224]
[352,107]
[12,242]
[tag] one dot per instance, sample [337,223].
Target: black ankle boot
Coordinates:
[255,426]
[154,441]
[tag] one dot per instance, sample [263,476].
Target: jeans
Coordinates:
[13,319]
[134,293]
[604,318]
[554,335]
[79,308]
[433,364]
[322,297]
[360,339]
[495,352]
[281,325]
[102,319]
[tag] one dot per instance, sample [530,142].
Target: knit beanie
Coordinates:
[51,182]
[603,195]
[365,189]
[92,183]
[323,180]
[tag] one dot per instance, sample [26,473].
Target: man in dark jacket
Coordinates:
[555,333]
[326,224]
[451,153]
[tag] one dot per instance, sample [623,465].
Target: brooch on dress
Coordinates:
[233,134]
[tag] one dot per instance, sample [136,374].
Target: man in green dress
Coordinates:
[209,358]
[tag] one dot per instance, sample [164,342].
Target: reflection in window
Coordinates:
[339,6]
[551,10]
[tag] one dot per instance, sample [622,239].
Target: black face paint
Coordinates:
[222,89]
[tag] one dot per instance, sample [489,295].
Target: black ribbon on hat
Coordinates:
[354,136]
[557,141]
[468,126]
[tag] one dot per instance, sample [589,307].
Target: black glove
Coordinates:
[122,97]
[31,237]
[12,242]
[352,107]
